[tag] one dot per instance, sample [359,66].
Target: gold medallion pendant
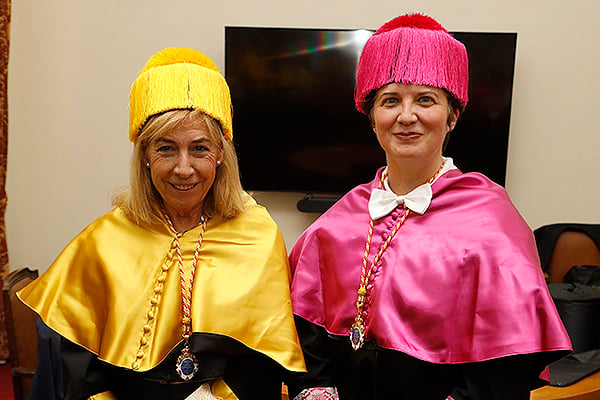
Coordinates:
[187,364]
[357,335]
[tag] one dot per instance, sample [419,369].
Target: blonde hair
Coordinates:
[142,203]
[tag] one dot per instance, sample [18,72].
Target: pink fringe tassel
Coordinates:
[414,56]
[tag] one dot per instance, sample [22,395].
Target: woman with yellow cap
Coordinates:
[182,290]
[424,283]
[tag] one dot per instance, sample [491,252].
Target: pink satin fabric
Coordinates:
[461,283]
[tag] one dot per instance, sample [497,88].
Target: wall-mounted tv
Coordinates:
[295,125]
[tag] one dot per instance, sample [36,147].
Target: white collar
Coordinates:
[384,201]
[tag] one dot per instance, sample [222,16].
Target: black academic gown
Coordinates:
[251,375]
[375,373]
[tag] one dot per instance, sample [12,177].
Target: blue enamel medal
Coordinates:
[187,364]
[357,335]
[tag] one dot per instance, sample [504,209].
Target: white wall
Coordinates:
[72,62]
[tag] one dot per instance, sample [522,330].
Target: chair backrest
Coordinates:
[21,332]
[564,245]
[572,248]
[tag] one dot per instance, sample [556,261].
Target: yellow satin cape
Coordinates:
[115,289]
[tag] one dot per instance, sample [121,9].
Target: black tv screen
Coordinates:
[295,125]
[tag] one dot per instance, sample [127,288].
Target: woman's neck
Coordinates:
[403,178]
[184,221]
[185,224]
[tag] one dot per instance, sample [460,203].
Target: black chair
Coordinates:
[565,245]
[569,252]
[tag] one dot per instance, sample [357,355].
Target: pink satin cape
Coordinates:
[461,283]
[115,289]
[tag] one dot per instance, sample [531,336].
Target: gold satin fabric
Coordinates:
[103,396]
[221,391]
[115,289]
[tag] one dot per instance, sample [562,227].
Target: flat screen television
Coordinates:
[295,125]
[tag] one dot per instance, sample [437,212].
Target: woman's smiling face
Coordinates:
[183,166]
[411,122]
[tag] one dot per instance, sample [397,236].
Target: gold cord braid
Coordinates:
[367,272]
[358,329]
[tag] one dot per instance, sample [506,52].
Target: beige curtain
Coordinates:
[4,40]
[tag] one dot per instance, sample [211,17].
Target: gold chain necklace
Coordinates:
[367,277]
[187,364]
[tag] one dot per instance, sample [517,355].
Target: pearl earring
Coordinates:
[147,165]
[218,163]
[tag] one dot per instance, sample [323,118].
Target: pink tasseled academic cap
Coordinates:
[414,49]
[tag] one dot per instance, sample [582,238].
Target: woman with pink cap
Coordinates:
[424,283]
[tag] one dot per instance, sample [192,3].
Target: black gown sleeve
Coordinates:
[48,380]
[84,374]
[317,356]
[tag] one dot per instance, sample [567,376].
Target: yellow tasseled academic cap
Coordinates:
[179,78]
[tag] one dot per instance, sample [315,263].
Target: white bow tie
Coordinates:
[383,202]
